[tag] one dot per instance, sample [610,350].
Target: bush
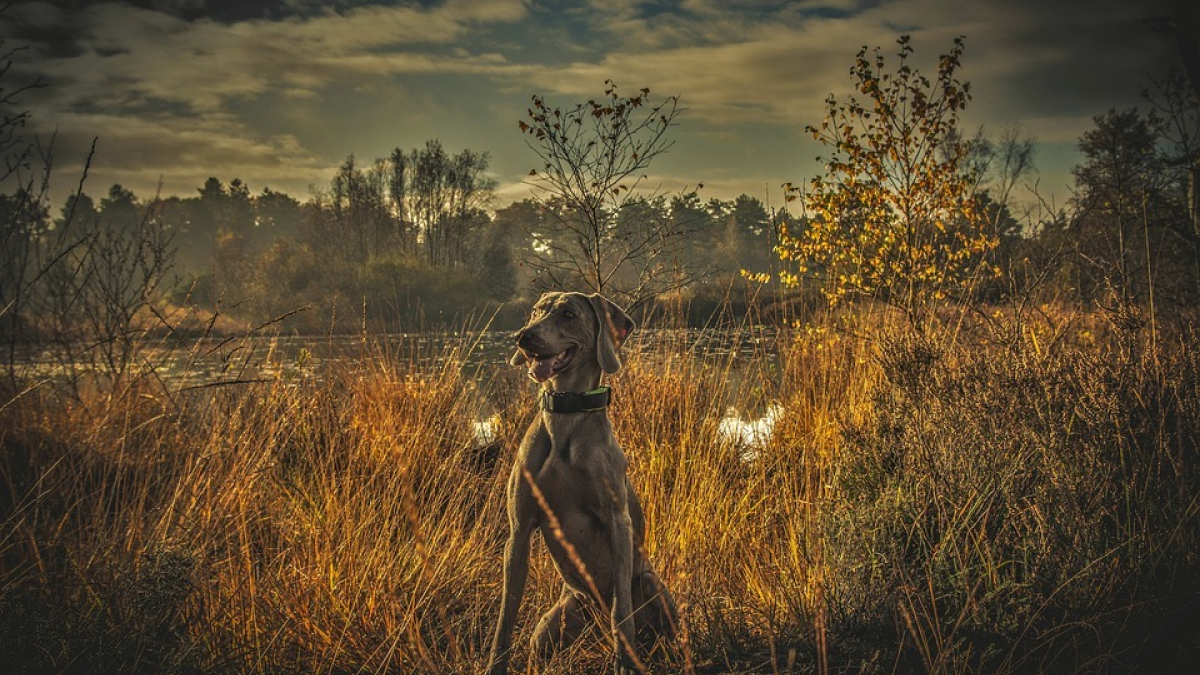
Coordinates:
[1017,512]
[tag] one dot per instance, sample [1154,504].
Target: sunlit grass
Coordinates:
[928,504]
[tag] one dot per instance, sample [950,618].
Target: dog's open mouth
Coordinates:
[545,366]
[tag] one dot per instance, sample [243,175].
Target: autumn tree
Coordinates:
[894,215]
[590,180]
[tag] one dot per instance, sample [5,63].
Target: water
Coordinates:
[295,359]
[291,356]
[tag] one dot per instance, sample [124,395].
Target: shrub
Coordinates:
[1016,512]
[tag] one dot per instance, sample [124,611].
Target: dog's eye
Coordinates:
[569,313]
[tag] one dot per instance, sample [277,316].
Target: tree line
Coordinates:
[413,239]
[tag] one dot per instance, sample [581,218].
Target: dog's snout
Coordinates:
[523,337]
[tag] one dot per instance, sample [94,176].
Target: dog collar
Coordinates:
[570,402]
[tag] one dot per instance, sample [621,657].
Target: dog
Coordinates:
[569,481]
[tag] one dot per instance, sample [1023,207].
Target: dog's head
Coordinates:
[572,333]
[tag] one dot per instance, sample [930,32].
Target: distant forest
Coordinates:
[405,242]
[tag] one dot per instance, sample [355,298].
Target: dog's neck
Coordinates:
[568,403]
[576,390]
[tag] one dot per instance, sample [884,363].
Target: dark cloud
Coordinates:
[232,11]
[1077,62]
[56,28]
[52,29]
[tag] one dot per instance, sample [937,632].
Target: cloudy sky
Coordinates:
[279,92]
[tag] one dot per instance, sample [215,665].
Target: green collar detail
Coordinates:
[595,400]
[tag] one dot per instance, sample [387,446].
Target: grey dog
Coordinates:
[569,481]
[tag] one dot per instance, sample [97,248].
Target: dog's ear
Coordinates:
[613,326]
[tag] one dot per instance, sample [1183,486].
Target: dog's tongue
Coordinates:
[542,369]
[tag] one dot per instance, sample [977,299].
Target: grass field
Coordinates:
[1016,499]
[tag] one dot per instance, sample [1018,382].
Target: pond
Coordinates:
[185,365]
[209,361]
[489,348]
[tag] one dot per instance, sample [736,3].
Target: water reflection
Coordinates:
[749,436]
[485,430]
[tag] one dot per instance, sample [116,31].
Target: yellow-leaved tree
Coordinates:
[895,214]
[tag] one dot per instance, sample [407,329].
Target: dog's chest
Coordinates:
[582,463]
[589,446]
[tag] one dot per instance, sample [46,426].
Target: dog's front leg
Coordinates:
[626,661]
[516,570]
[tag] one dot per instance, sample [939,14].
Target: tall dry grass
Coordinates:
[924,504]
